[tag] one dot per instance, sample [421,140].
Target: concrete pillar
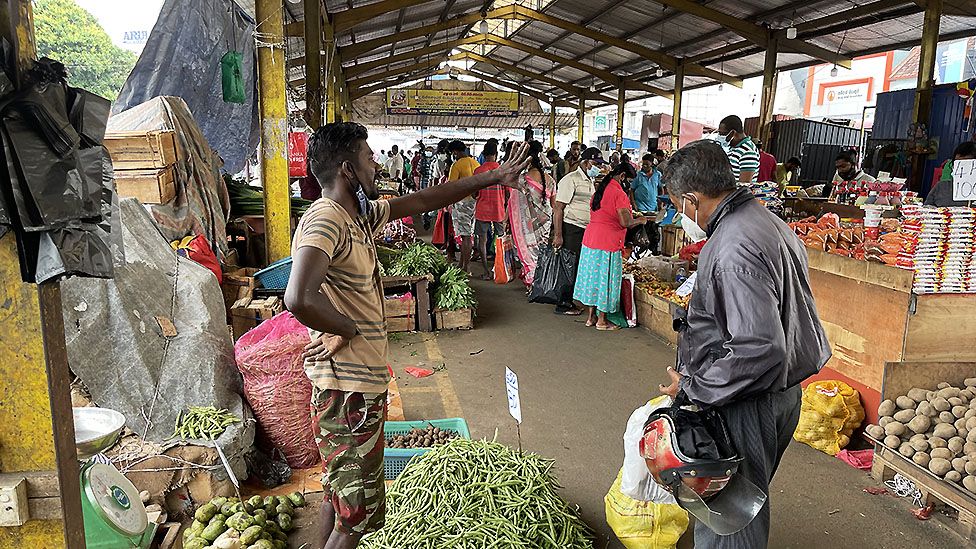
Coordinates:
[619,135]
[580,119]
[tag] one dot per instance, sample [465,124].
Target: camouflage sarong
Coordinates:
[350,440]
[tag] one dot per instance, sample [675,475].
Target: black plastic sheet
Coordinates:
[183,58]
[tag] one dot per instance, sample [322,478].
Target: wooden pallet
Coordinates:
[934,490]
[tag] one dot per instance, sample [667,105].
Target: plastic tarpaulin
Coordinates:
[202,203]
[153,341]
[183,58]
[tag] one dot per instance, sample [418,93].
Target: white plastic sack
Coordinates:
[636,481]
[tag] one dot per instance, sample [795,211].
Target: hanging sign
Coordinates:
[452,102]
[514,404]
[964,180]
[297,154]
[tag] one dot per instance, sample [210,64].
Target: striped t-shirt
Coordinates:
[354,287]
[745,157]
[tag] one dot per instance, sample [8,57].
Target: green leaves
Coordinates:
[67,33]
[453,291]
[418,260]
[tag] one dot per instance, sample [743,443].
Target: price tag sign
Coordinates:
[964,180]
[511,386]
[687,286]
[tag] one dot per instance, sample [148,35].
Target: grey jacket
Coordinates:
[751,326]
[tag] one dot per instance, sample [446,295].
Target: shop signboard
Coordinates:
[964,180]
[452,102]
[297,153]
[600,123]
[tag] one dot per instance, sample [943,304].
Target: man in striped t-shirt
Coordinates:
[335,290]
[742,151]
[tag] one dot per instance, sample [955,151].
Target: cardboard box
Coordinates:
[248,313]
[461,319]
[153,186]
[140,150]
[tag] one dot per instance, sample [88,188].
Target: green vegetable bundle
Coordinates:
[420,259]
[229,523]
[248,200]
[478,494]
[387,256]
[203,422]
[453,291]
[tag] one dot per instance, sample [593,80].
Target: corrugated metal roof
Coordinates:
[876,25]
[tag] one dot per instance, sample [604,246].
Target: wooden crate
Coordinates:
[153,186]
[237,284]
[248,313]
[672,239]
[899,377]
[418,286]
[461,319]
[401,314]
[138,150]
[654,315]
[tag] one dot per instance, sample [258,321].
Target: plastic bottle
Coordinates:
[862,198]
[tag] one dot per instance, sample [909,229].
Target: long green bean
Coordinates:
[470,494]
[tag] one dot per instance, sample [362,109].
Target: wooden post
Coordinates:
[331,88]
[36,425]
[552,125]
[621,101]
[922,110]
[274,129]
[580,119]
[770,76]
[313,63]
[679,77]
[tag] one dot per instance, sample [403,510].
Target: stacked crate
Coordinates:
[144,163]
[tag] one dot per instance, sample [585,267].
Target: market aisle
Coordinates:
[578,388]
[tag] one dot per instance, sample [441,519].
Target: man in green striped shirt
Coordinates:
[742,151]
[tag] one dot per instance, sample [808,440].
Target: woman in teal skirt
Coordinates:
[600,270]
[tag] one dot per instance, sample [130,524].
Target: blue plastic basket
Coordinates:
[276,275]
[395,460]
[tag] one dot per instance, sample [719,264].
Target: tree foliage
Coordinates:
[67,33]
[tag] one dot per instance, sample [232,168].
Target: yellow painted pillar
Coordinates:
[274,130]
[34,374]
[331,80]
[552,126]
[679,84]
[770,76]
[313,63]
[619,136]
[922,110]
[581,118]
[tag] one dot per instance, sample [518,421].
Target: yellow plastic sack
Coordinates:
[829,413]
[644,524]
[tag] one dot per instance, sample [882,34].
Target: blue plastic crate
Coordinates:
[276,275]
[395,460]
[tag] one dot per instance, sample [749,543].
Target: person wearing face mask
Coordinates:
[571,210]
[847,170]
[741,150]
[336,292]
[462,213]
[751,332]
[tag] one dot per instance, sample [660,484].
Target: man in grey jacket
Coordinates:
[751,333]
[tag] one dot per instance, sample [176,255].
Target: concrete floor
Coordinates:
[578,387]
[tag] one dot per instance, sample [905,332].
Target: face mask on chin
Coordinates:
[691,227]
[362,198]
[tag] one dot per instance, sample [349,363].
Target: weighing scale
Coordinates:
[114,515]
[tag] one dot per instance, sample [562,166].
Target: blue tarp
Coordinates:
[182,58]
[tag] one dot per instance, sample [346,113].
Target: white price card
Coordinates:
[687,286]
[511,386]
[964,180]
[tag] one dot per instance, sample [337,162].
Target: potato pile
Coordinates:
[228,523]
[422,438]
[935,429]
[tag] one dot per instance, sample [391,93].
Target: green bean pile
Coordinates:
[203,422]
[478,494]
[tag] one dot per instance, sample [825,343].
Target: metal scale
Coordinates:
[114,515]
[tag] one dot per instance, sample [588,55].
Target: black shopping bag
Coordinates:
[555,276]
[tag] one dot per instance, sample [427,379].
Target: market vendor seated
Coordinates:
[335,290]
[941,194]
[847,170]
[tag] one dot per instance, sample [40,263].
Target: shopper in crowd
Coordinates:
[941,194]
[394,165]
[442,167]
[462,212]
[382,159]
[787,173]
[571,210]
[492,143]
[426,168]
[573,156]
[335,291]
[418,155]
[559,166]
[600,271]
[751,333]
[489,211]
[614,159]
[742,152]
[659,156]
[847,170]
[646,185]
[767,164]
